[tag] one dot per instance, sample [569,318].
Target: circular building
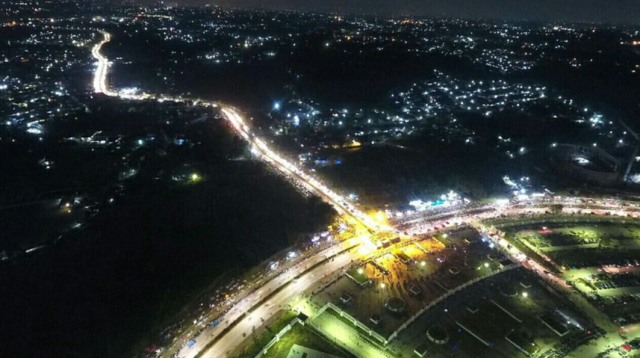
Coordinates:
[590,165]
[437,335]
[395,304]
[508,291]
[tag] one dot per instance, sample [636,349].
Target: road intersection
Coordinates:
[273,295]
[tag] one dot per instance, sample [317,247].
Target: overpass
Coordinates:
[269,299]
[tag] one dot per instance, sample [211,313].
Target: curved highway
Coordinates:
[250,311]
[258,146]
[234,316]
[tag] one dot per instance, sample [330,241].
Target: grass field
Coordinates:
[600,258]
[258,340]
[360,274]
[303,336]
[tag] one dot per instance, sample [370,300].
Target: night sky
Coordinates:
[615,11]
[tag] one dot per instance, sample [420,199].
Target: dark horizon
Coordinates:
[586,11]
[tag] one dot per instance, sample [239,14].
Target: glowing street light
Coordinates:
[525,294]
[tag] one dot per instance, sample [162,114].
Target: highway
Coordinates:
[306,281]
[287,286]
[102,68]
[260,149]
[258,146]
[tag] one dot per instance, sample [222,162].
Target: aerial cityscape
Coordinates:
[319,180]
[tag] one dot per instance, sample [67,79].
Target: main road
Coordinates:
[237,316]
[267,154]
[259,305]
[258,146]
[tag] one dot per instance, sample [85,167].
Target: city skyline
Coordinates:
[617,11]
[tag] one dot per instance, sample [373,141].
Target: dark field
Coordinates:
[115,283]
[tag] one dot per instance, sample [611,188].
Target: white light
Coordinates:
[129,91]
[581,160]
[259,148]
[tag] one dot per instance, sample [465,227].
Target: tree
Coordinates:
[556,208]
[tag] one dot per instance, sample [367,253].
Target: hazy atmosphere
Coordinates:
[623,11]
